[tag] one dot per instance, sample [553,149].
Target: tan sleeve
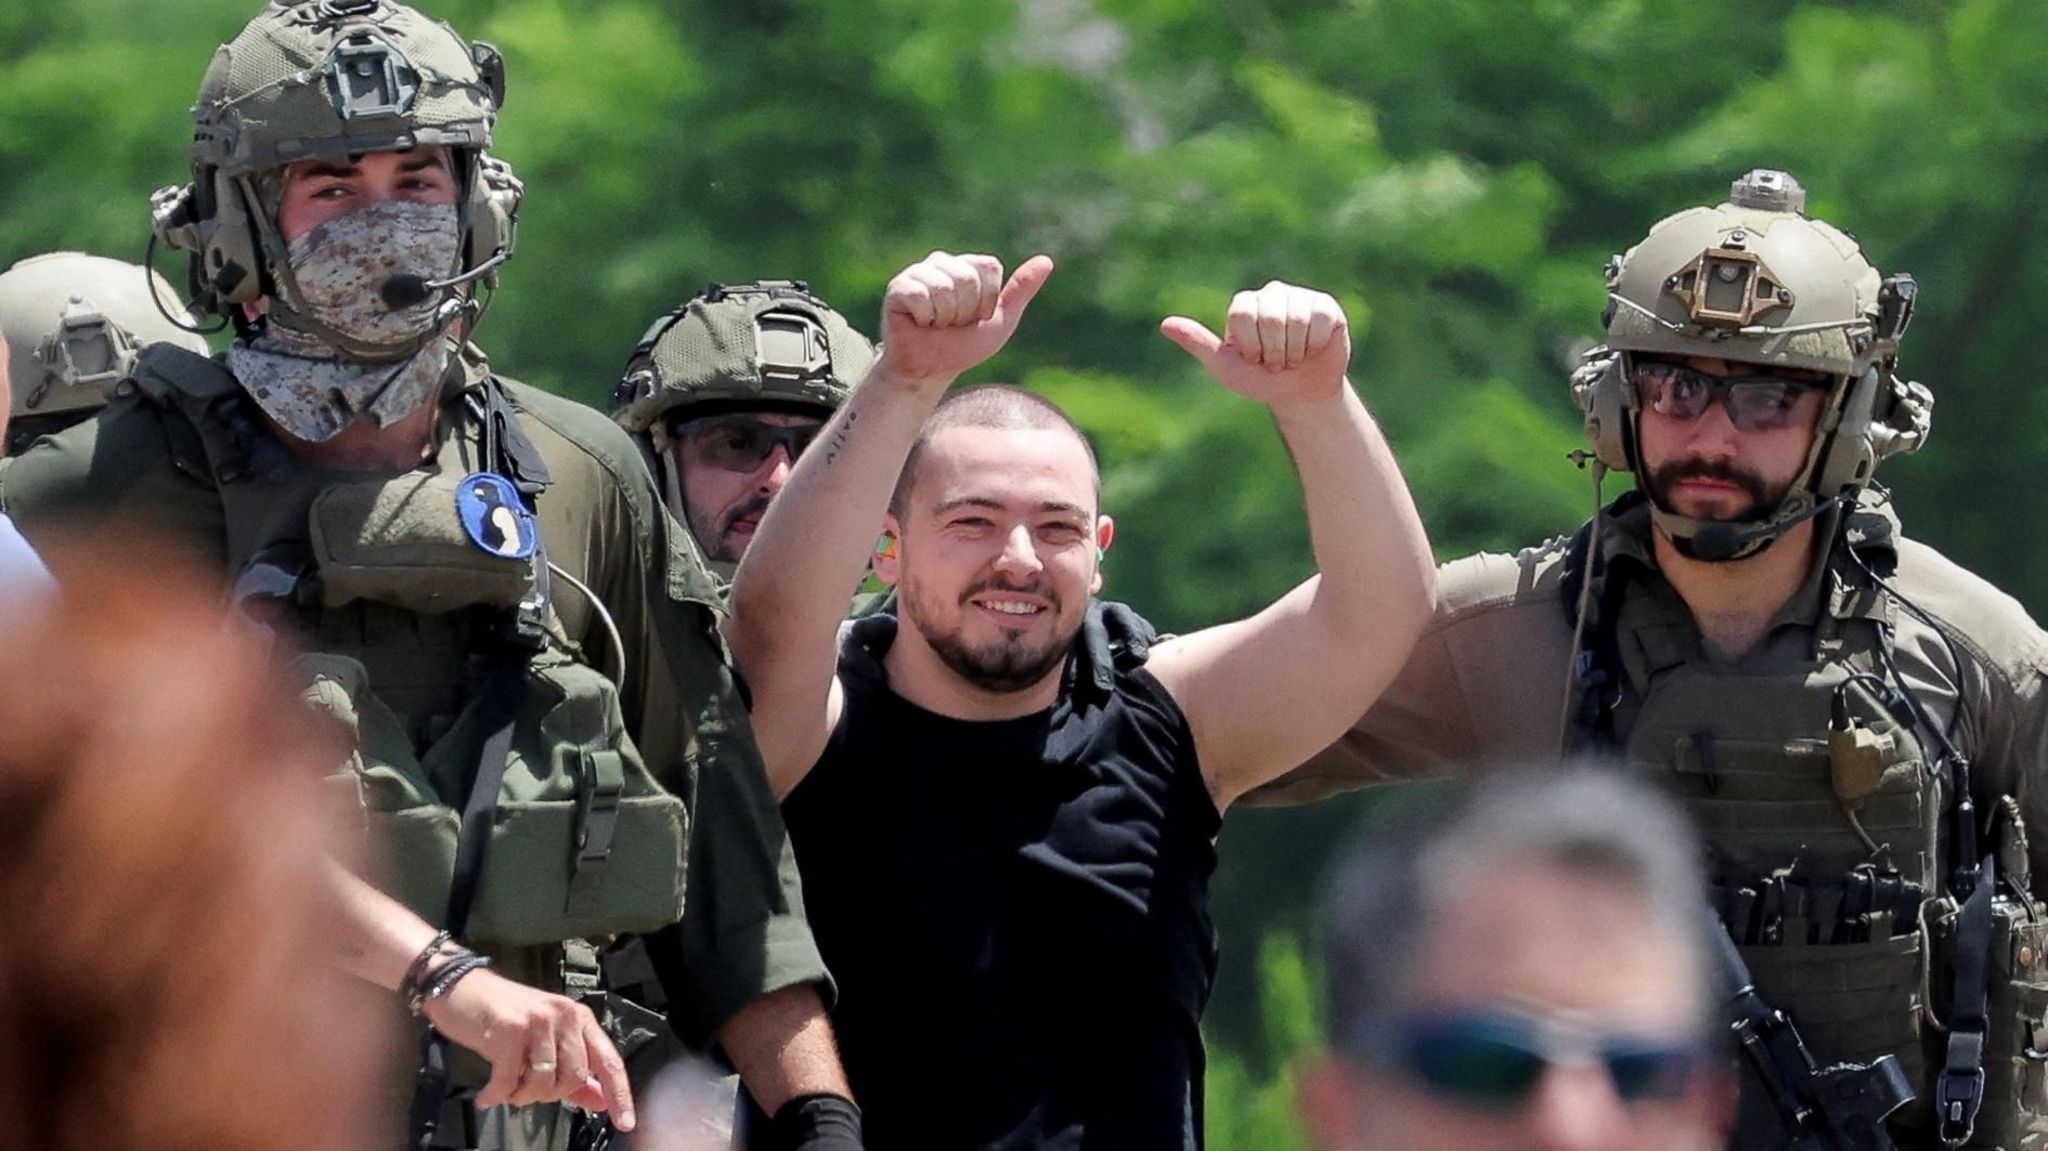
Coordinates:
[1485,684]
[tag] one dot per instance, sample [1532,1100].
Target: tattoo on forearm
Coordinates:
[839,437]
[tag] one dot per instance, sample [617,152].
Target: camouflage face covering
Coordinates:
[341,267]
[313,394]
[309,388]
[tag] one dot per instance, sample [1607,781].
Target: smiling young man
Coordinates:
[1006,856]
[1752,631]
[547,747]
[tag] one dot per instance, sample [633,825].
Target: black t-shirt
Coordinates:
[1016,913]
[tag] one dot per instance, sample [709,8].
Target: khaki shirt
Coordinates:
[1487,684]
[137,471]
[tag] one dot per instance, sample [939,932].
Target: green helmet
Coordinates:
[313,78]
[1754,280]
[74,324]
[766,345]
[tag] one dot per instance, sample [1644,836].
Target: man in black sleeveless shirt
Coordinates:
[1006,854]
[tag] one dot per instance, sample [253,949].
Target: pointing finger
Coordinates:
[1024,286]
[608,1074]
[1193,337]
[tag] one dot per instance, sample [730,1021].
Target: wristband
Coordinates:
[817,1123]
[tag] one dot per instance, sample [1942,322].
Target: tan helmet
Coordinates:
[1754,280]
[312,78]
[74,324]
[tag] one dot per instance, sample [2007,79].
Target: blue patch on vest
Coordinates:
[494,517]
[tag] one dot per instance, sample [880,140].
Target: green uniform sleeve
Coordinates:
[121,472]
[743,932]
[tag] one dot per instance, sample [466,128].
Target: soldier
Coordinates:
[75,324]
[1457,940]
[726,392]
[480,576]
[1856,723]
[1007,857]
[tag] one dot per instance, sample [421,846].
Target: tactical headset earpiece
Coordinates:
[209,219]
[492,211]
[1881,416]
[1601,392]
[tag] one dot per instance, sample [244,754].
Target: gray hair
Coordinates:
[1426,849]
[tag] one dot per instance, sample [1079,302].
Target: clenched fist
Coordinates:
[1281,345]
[947,314]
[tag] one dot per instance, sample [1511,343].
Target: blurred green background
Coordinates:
[1456,171]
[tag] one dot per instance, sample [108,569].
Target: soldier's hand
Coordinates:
[1281,345]
[542,1048]
[947,314]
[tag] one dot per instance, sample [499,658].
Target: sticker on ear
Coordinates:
[885,547]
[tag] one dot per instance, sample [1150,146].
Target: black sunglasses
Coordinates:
[1754,403]
[1493,1058]
[739,443]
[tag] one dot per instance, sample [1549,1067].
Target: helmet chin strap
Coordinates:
[1723,541]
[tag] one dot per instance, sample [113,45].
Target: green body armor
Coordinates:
[402,616]
[1824,817]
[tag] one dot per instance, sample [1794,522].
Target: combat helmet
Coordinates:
[74,324]
[1757,281]
[770,344]
[313,78]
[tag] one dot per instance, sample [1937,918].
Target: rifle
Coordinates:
[1839,1107]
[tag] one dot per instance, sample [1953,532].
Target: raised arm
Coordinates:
[1264,693]
[940,317]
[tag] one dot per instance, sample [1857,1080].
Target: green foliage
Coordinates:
[1456,171]
[1251,1110]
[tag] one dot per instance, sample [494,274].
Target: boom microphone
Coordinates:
[1717,542]
[406,290]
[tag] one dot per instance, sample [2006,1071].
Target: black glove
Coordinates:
[1112,633]
[816,1123]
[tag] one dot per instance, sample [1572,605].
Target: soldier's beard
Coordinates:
[1011,664]
[1762,499]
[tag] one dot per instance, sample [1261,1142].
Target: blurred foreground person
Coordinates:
[74,324]
[1521,966]
[165,970]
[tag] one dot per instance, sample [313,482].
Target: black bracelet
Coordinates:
[416,971]
[447,977]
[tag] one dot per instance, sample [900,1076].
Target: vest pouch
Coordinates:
[1851,1001]
[2016,1082]
[401,542]
[586,842]
[406,832]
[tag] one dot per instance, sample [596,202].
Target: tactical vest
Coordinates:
[1824,815]
[406,620]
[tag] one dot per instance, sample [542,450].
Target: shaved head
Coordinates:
[1004,407]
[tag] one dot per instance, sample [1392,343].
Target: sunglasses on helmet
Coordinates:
[1493,1058]
[1754,403]
[739,443]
